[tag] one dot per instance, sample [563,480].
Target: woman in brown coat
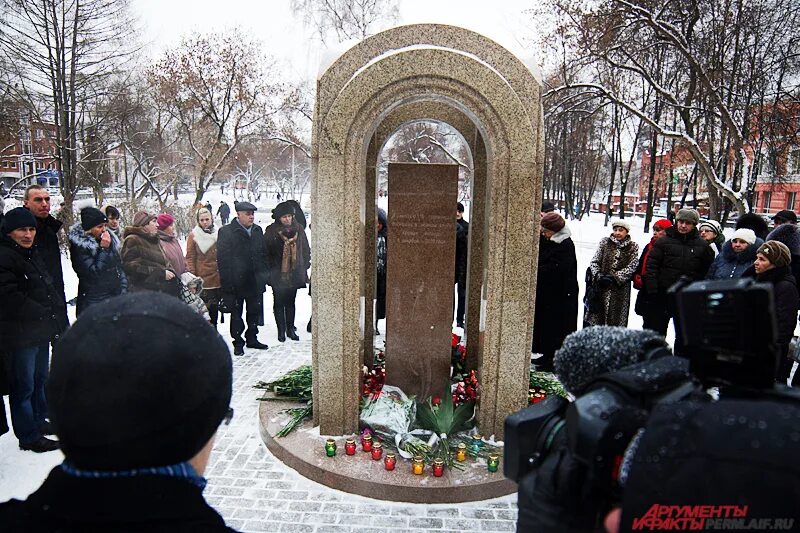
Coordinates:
[143,259]
[201,260]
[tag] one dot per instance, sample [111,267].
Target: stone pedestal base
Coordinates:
[304,450]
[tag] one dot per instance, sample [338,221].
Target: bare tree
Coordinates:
[62,53]
[727,63]
[346,19]
[219,90]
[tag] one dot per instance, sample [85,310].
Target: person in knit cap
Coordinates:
[556,313]
[136,421]
[772,265]
[681,252]
[143,259]
[613,266]
[170,244]
[641,307]
[201,260]
[787,232]
[288,260]
[95,255]
[736,256]
[711,231]
[30,319]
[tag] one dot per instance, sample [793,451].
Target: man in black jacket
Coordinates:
[37,201]
[30,318]
[136,421]
[242,263]
[681,252]
[462,247]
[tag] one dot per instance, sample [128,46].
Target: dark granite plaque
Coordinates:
[420,270]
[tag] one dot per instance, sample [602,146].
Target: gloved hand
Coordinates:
[605,281]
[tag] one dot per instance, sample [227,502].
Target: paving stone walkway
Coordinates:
[256,492]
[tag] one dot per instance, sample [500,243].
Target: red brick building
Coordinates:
[33,154]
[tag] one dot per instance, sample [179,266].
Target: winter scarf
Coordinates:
[204,238]
[561,235]
[292,255]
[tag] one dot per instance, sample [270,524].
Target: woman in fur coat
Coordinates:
[613,266]
[94,251]
[201,260]
[143,259]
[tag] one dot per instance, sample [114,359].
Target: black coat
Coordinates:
[785,297]
[32,309]
[298,277]
[462,249]
[100,273]
[675,255]
[50,253]
[143,503]
[556,293]
[242,260]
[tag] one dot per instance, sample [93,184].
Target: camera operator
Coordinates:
[565,494]
[642,447]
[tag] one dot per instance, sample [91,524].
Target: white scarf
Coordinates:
[204,240]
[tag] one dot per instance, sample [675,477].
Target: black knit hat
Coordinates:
[17,218]
[283,208]
[139,380]
[91,217]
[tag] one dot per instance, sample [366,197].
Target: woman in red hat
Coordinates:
[640,308]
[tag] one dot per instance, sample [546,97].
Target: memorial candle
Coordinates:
[330,447]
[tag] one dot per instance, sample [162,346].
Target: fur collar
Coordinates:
[620,244]
[561,235]
[81,239]
[789,235]
[204,240]
[747,256]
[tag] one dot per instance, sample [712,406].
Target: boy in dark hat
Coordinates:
[136,421]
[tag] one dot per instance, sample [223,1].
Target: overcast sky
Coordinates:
[298,53]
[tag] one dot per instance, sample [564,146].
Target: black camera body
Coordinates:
[729,329]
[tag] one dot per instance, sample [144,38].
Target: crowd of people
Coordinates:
[220,270]
[682,247]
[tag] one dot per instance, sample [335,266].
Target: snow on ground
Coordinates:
[22,472]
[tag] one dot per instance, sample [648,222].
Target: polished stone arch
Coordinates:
[465,75]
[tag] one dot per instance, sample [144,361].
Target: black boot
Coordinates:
[308,327]
[291,332]
[280,321]
[40,446]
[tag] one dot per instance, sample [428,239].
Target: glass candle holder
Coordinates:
[330,447]
[461,452]
[476,443]
[350,447]
[438,467]
[493,463]
[366,443]
[377,451]
[418,465]
[389,461]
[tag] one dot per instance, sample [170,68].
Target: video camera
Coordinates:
[728,327]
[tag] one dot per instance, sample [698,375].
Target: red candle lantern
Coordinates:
[366,443]
[377,451]
[350,447]
[389,461]
[438,467]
